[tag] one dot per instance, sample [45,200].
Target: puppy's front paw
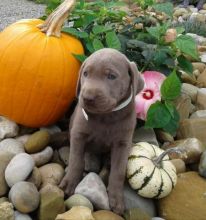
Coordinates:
[67,185]
[116,202]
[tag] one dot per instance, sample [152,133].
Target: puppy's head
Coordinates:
[106,79]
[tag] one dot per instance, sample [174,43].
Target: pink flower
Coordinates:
[150,93]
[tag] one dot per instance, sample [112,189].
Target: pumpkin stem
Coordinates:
[158,160]
[53,24]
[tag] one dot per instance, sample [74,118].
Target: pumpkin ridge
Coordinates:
[31,90]
[160,188]
[131,157]
[154,150]
[168,176]
[146,180]
[136,172]
[12,109]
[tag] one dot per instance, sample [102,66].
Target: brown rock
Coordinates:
[199,114]
[35,177]
[163,136]
[187,200]
[179,165]
[76,213]
[201,99]
[190,150]
[201,79]
[190,90]
[106,215]
[199,66]
[193,128]
[184,106]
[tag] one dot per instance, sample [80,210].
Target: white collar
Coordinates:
[119,107]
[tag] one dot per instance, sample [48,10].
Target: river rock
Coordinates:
[202,165]
[201,99]
[94,189]
[21,216]
[6,211]
[51,202]
[199,39]
[4,199]
[177,205]
[179,12]
[56,158]
[179,165]
[43,156]
[142,134]
[5,158]
[201,79]
[35,178]
[190,150]
[199,114]
[184,106]
[193,127]
[23,139]
[190,90]
[53,129]
[37,141]
[19,168]
[157,218]
[78,200]
[11,145]
[133,200]
[64,154]
[7,128]
[136,214]
[76,213]
[51,173]
[164,136]
[199,66]
[24,196]
[106,215]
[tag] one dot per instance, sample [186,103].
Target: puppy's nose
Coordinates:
[89,99]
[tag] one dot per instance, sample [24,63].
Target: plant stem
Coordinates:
[53,24]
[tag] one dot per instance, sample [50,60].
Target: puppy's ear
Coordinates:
[78,87]
[137,80]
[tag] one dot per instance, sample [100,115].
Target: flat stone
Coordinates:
[202,165]
[19,168]
[194,127]
[76,213]
[187,200]
[106,215]
[11,145]
[8,128]
[199,114]
[78,200]
[133,200]
[190,150]
[21,216]
[51,202]
[24,196]
[5,158]
[94,189]
[43,156]
[51,173]
[145,135]
[6,211]
[37,141]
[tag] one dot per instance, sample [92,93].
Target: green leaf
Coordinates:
[187,45]
[154,31]
[90,47]
[180,30]
[112,40]
[171,87]
[173,124]
[157,116]
[185,64]
[97,44]
[80,57]
[170,107]
[76,33]
[99,29]
[166,7]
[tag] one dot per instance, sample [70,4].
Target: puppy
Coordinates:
[104,119]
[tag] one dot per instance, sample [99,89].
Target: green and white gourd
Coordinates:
[150,172]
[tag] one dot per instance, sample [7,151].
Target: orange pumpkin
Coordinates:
[38,72]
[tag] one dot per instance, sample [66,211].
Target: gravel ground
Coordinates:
[13,10]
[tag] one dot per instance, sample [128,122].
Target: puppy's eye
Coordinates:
[111,76]
[85,74]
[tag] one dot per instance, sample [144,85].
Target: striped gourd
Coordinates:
[150,172]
